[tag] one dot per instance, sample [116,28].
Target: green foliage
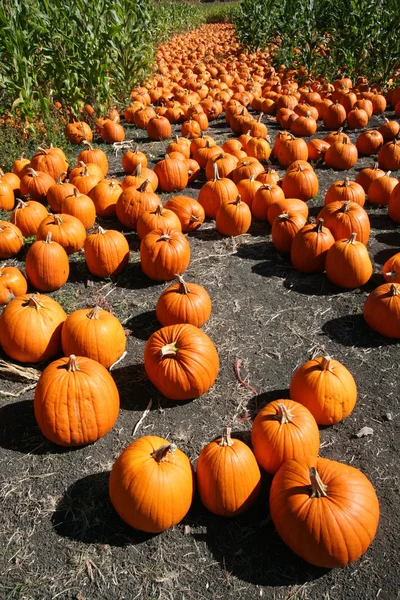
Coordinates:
[356,36]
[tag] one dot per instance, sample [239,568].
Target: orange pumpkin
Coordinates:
[183,302]
[106,252]
[47,266]
[12,284]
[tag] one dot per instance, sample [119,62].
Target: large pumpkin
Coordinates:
[345,218]
[28,216]
[181,361]
[326,388]
[282,430]
[66,230]
[228,477]
[183,302]
[106,252]
[309,248]
[188,210]
[325,511]
[164,253]
[76,401]
[94,333]
[42,317]
[152,484]
[348,264]
[47,266]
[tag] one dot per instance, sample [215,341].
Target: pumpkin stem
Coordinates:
[144,185]
[72,365]
[394,290]
[164,238]
[42,150]
[318,227]
[260,117]
[216,173]
[345,207]
[59,181]
[58,219]
[326,363]
[101,230]
[352,238]
[94,313]
[284,216]
[32,172]
[159,210]
[346,182]
[21,204]
[388,173]
[87,144]
[112,183]
[284,415]
[160,455]
[237,201]
[251,178]
[183,286]
[138,170]
[194,219]
[48,238]
[318,488]
[169,350]
[76,192]
[226,439]
[33,301]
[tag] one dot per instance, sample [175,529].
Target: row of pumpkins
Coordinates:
[180,359]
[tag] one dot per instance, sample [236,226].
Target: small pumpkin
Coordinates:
[28,216]
[77,132]
[76,401]
[163,253]
[366,176]
[152,484]
[12,284]
[344,218]
[49,161]
[159,218]
[183,302]
[43,317]
[181,361]
[300,182]
[228,477]
[6,195]
[284,228]
[112,132]
[47,266]
[380,190]
[326,388]
[341,155]
[58,192]
[389,156]
[233,217]
[309,248]
[106,252]
[80,206]
[348,264]
[264,197]
[36,184]
[287,205]
[172,174]
[282,430]
[132,203]
[66,230]
[188,210]
[94,156]
[11,240]
[214,192]
[345,191]
[391,269]
[382,310]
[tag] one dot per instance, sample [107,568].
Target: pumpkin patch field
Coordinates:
[200,325]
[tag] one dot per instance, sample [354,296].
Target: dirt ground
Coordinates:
[59,535]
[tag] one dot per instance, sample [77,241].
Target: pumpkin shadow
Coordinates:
[142,326]
[79,272]
[380,221]
[383,255]
[20,432]
[312,284]
[133,278]
[135,389]
[262,250]
[85,514]
[352,330]
[391,238]
[206,234]
[249,547]
[256,403]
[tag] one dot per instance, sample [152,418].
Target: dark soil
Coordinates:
[59,535]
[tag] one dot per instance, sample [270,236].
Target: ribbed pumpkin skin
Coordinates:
[106,252]
[326,388]
[214,192]
[284,228]
[12,284]
[11,239]
[300,183]
[233,218]
[73,408]
[287,205]
[47,266]
[172,175]
[265,197]
[394,204]
[7,200]
[188,210]
[66,230]
[30,329]
[132,203]
[366,176]
[391,269]
[344,218]
[105,196]
[95,156]
[175,305]
[94,333]
[27,216]
[191,371]
[49,162]
[330,531]
[164,253]
[157,219]
[382,310]
[345,191]
[341,156]
[348,264]
[228,477]
[57,193]
[309,248]
[276,439]
[148,495]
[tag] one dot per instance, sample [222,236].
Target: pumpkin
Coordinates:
[268,176]
[58,192]
[345,191]
[47,266]
[336,136]
[139,176]
[204,154]
[50,162]
[11,240]
[6,195]
[76,401]
[157,219]
[341,155]
[36,184]
[164,253]
[94,333]
[246,168]
[366,176]
[214,192]
[12,284]
[394,204]
[183,302]
[104,196]
[226,163]
[19,165]
[287,205]
[282,430]
[380,190]
[80,206]
[326,388]
[43,317]
[181,145]
[389,130]
[28,216]
[284,228]
[152,484]
[112,132]
[325,511]
[132,203]
[181,361]
[258,147]
[228,477]
[369,142]
[304,126]
[292,149]
[12,180]
[391,269]
[348,264]
[77,132]
[106,252]
[66,230]
[233,217]
[94,156]
[357,118]
[344,218]
[300,182]
[131,160]
[334,116]
[317,149]
[247,189]
[86,177]
[188,210]
[382,310]
[264,197]
[309,248]
[389,156]
[172,174]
